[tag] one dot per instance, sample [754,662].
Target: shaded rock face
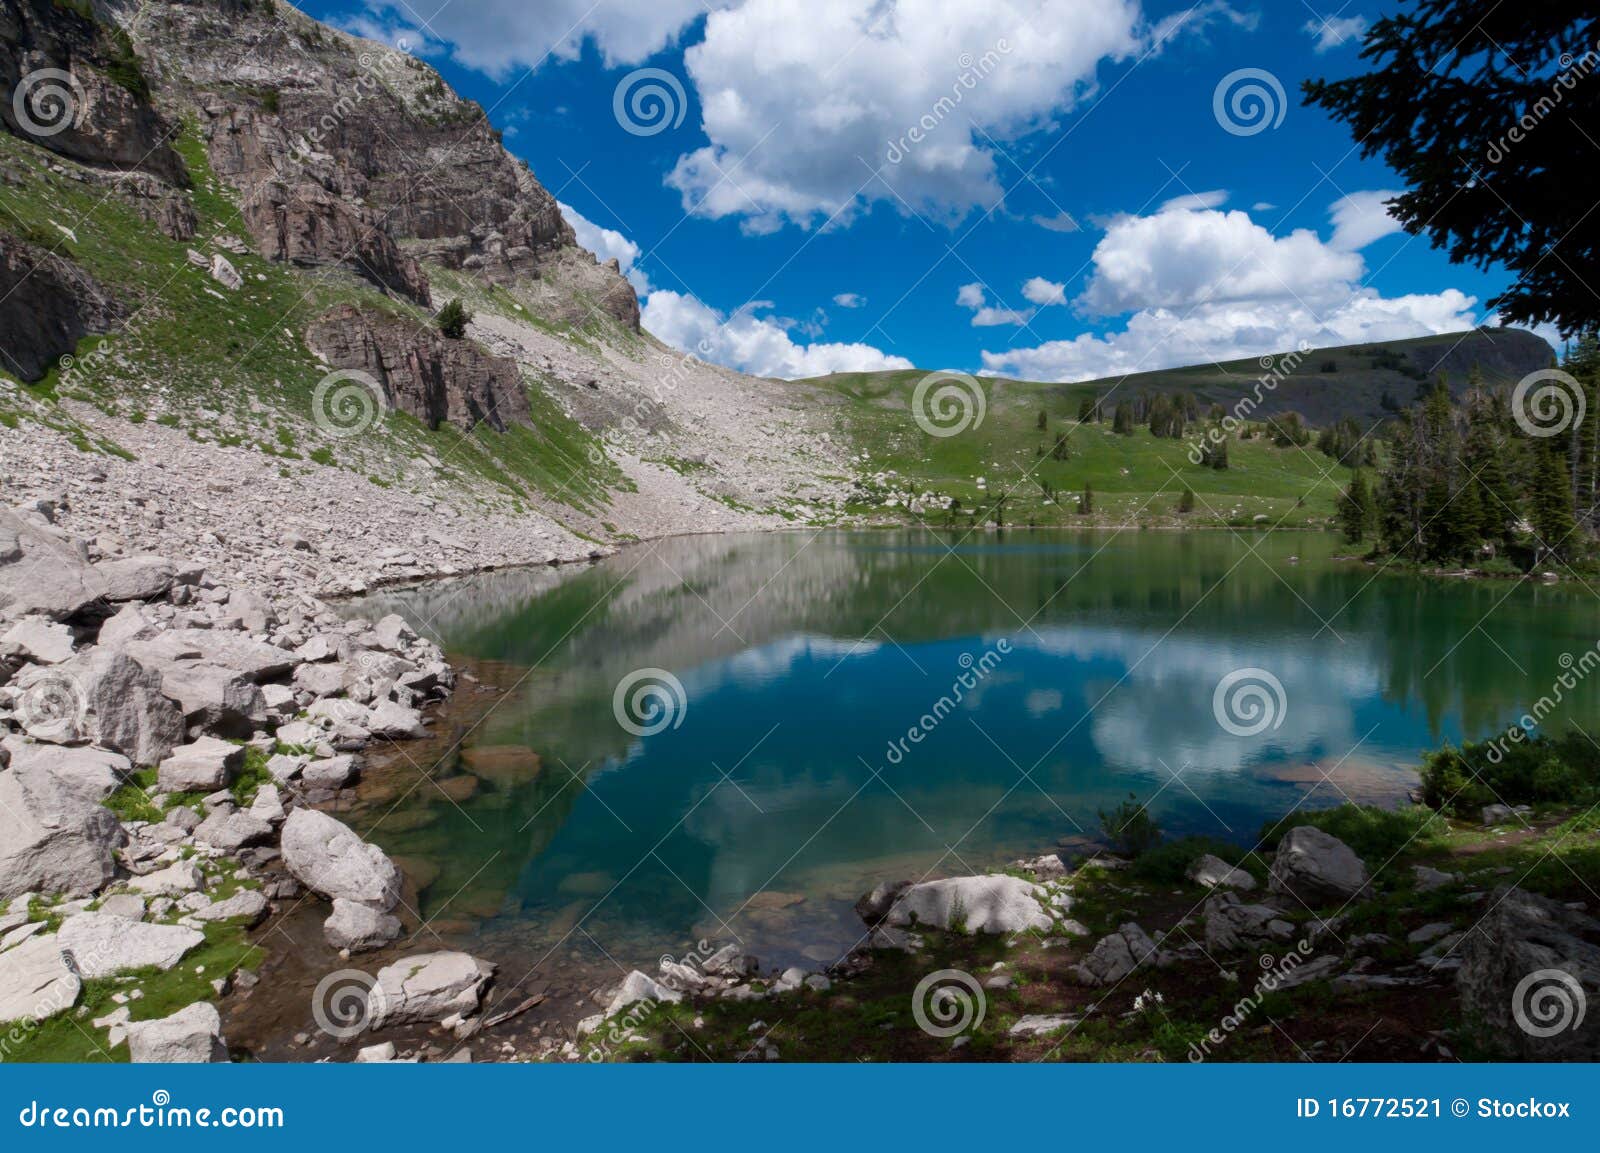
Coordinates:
[421,373]
[306,225]
[81,86]
[47,305]
[1530,975]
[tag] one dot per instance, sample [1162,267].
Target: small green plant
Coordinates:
[1186,501]
[1130,828]
[453,319]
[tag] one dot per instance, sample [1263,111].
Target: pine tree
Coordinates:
[1086,500]
[1124,419]
[1357,509]
[1186,501]
[1550,503]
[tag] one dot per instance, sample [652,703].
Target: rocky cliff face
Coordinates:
[75,86]
[343,152]
[420,372]
[47,305]
[348,152]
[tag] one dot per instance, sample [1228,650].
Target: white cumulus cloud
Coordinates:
[1044,292]
[1360,218]
[500,37]
[1204,284]
[755,344]
[802,102]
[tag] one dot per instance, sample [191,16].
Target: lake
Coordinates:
[803,714]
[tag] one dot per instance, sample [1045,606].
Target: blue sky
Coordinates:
[1040,188]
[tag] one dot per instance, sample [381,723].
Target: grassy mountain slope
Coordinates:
[1141,478]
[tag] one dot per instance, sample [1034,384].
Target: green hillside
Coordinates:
[1141,478]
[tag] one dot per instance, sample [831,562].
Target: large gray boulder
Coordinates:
[213,697]
[229,648]
[1530,976]
[359,928]
[55,836]
[102,697]
[1231,924]
[42,571]
[135,578]
[1211,872]
[428,987]
[232,831]
[36,982]
[102,944]
[1316,867]
[192,1035]
[40,639]
[328,858]
[93,773]
[990,904]
[203,766]
[1115,956]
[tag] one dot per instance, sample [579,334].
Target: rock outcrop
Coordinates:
[422,373]
[47,305]
[991,904]
[77,87]
[1530,975]
[55,836]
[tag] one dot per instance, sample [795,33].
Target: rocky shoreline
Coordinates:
[170,741]
[166,740]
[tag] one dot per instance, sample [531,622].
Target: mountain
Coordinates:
[225,233]
[225,229]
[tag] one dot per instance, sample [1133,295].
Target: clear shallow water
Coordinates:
[778,794]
